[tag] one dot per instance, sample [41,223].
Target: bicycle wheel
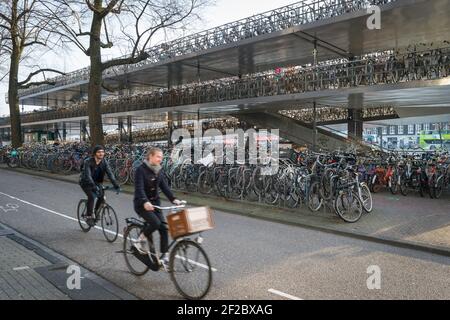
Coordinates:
[110,224]
[394,183]
[404,187]
[366,198]
[81,215]
[437,190]
[315,200]
[190,270]
[348,206]
[135,266]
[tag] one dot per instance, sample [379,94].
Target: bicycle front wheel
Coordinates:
[348,206]
[110,224]
[81,215]
[190,270]
[366,198]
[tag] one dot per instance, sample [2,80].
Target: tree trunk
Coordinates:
[13,99]
[95,83]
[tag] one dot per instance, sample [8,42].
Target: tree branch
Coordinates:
[31,84]
[123,61]
[31,75]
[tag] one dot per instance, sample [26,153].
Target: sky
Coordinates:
[224,11]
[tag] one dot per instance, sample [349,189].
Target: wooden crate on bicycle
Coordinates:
[190,221]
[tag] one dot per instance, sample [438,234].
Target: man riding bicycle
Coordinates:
[149,178]
[91,180]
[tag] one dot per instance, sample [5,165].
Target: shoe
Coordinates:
[165,262]
[90,221]
[141,246]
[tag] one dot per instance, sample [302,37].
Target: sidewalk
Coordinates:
[30,271]
[412,222]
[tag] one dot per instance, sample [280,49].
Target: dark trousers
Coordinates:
[92,195]
[155,221]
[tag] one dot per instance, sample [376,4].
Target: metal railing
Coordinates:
[272,21]
[431,64]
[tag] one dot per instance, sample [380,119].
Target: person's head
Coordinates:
[154,156]
[98,152]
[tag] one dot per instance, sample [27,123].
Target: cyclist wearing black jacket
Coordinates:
[92,177]
[149,180]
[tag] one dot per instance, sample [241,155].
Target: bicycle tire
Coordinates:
[369,206]
[127,252]
[187,261]
[109,217]
[341,200]
[314,190]
[83,225]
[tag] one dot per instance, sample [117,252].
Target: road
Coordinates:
[254,259]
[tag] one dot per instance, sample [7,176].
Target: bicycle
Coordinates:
[13,159]
[189,253]
[105,213]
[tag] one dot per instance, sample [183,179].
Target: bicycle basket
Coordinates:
[190,221]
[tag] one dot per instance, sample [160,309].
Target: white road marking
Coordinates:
[196,263]
[284,295]
[21,268]
[76,220]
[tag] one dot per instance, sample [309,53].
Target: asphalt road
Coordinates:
[254,259]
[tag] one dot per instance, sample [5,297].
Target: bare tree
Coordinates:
[138,21]
[23,26]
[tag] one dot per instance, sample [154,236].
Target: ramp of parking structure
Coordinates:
[254,44]
[294,130]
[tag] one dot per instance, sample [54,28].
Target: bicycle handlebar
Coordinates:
[105,188]
[183,205]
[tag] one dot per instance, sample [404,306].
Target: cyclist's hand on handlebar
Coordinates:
[178,202]
[148,206]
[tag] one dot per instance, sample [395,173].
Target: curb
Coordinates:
[443,251]
[60,262]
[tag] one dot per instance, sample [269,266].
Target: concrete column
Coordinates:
[130,129]
[83,130]
[170,125]
[314,132]
[121,128]
[355,116]
[64,132]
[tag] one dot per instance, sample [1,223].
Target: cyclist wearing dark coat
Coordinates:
[92,177]
[149,179]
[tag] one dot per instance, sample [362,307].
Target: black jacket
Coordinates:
[147,185]
[89,166]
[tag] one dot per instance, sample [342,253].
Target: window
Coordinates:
[384,130]
[426,127]
[392,130]
[400,129]
[411,129]
[418,128]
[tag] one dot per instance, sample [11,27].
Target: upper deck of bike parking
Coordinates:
[279,38]
[380,82]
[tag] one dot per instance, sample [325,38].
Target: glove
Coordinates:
[177,202]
